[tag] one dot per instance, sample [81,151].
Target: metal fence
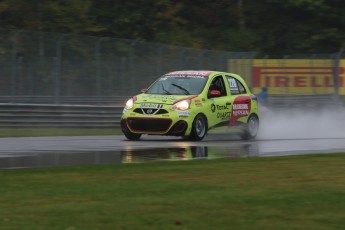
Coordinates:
[58,66]
[55,68]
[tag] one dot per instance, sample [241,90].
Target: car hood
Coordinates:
[160,99]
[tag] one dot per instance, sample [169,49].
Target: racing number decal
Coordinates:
[240,108]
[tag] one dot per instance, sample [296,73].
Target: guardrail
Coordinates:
[63,116]
[19,115]
[74,100]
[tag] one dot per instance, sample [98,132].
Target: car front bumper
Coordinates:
[174,123]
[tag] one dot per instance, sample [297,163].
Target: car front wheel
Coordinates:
[132,136]
[128,133]
[199,128]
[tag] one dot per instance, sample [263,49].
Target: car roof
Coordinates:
[204,73]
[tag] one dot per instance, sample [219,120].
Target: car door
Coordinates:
[219,107]
[240,99]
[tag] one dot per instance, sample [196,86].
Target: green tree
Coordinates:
[297,26]
[266,26]
[55,15]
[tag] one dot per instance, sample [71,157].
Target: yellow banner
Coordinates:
[295,76]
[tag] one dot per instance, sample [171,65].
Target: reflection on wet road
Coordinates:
[188,153]
[73,151]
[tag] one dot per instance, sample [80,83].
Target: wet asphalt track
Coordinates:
[36,152]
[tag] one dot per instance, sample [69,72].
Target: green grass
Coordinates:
[295,192]
[29,132]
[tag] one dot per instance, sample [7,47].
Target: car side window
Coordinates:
[241,87]
[218,84]
[236,87]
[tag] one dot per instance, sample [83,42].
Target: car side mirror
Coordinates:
[143,90]
[214,93]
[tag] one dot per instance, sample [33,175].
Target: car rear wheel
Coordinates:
[251,128]
[199,128]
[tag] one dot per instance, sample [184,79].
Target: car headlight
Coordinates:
[181,105]
[129,104]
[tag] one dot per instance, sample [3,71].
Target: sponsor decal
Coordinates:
[203,100]
[147,97]
[189,73]
[223,115]
[183,113]
[191,76]
[150,106]
[295,76]
[240,108]
[213,108]
[223,111]
[219,107]
[198,103]
[298,76]
[222,107]
[241,112]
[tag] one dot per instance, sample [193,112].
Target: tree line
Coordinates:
[264,26]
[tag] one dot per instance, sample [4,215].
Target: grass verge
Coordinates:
[29,132]
[295,192]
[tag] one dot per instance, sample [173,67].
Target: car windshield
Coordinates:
[178,85]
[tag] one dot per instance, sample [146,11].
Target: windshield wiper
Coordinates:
[181,88]
[166,91]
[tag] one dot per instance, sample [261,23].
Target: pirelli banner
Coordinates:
[293,76]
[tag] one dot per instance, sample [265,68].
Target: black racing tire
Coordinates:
[199,151]
[199,128]
[250,130]
[132,136]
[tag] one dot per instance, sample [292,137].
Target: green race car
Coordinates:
[189,104]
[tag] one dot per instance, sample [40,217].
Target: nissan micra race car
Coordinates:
[189,104]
